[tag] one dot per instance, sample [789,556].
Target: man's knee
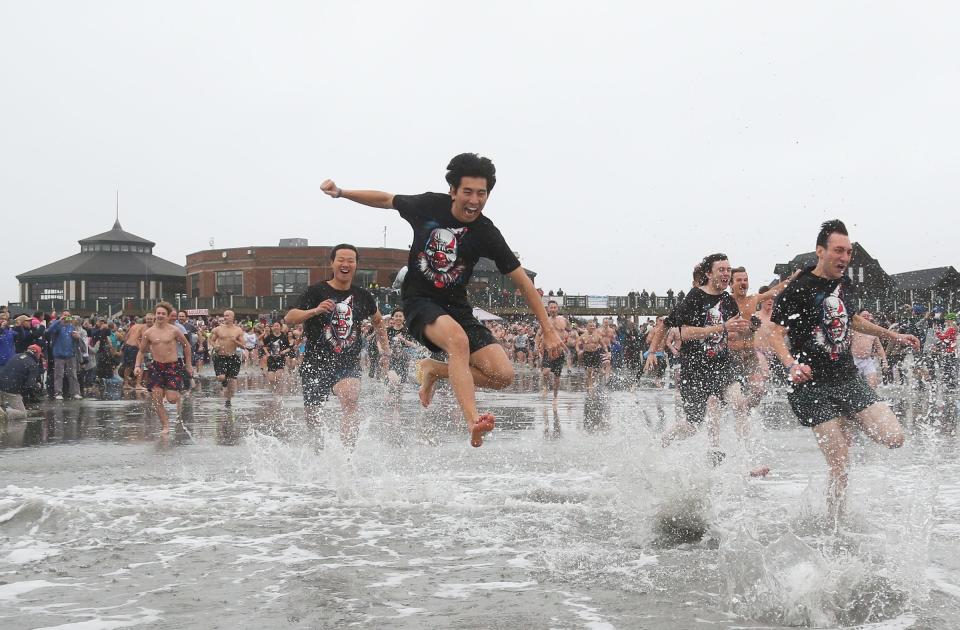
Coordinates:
[502,377]
[894,438]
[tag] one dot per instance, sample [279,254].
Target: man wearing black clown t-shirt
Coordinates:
[707,315]
[450,234]
[331,313]
[816,312]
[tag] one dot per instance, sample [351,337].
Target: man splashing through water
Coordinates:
[450,234]
[829,395]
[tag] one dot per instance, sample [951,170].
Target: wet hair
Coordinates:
[705,266]
[336,248]
[698,277]
[397,310]
[470,165]
[738,270]
[834,226]
[763,289]
[552,302]
[167,306]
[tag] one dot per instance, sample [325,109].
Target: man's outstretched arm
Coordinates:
[372,198]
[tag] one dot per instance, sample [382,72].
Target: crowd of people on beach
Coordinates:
[720,346]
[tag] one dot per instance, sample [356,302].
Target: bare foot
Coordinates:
[484,424]
[428,379]
[760,471]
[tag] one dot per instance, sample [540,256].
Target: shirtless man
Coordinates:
[742,346]
[573,342]
[590,347]
[552,368]
[609,332]
[225,340]
[164,377]
[866,350]
[131,347]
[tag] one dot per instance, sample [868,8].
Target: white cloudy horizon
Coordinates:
[630,138]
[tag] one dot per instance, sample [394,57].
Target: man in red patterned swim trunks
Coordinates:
[164,377]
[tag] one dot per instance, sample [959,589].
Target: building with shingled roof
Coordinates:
[111,270]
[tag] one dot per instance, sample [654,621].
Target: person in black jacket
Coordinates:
[18,377]
[25,335]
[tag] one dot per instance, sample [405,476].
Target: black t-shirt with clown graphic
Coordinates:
[335,335]
[817,313]
[711,356]
[445,250]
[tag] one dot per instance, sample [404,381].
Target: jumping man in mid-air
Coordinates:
[450,234]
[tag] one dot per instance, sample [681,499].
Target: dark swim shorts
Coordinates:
[129,356]
[166,376]
[228,365]
[421,312]
[555,365]
[318,376]
[815,403]
[592,359]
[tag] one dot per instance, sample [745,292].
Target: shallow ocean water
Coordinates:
[570,516]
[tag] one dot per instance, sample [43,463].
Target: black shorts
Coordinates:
[228,366]
[187,382]
[402,368]
[592,359]
[129,356]
[421,312]
[318,378]
[815,403]
[696,386]
[554,365]
[275,364]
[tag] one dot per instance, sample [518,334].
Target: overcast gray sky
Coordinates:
[630,138]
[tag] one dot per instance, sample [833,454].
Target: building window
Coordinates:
[290,281]
[195,285]
[113,290]
[46,291]
[365,277]
[229,283]
[124,248]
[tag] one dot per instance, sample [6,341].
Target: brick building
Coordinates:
[282,271]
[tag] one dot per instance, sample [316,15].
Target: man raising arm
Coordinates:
[450,234]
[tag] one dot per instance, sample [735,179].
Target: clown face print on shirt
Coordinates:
[717,342]
[834,332]
[340,332]
[438,262]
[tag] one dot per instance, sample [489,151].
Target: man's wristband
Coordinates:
[339,193]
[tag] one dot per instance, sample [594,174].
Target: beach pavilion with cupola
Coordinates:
[113,270]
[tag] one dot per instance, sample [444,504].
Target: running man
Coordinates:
[829,395]
[450,233]
[706,319]
[164,375]
[591,346]
[868,353]
[130,349]
[277,346]
[551,369]
[746,363]
[227,342]
[399,367]
[331,313]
